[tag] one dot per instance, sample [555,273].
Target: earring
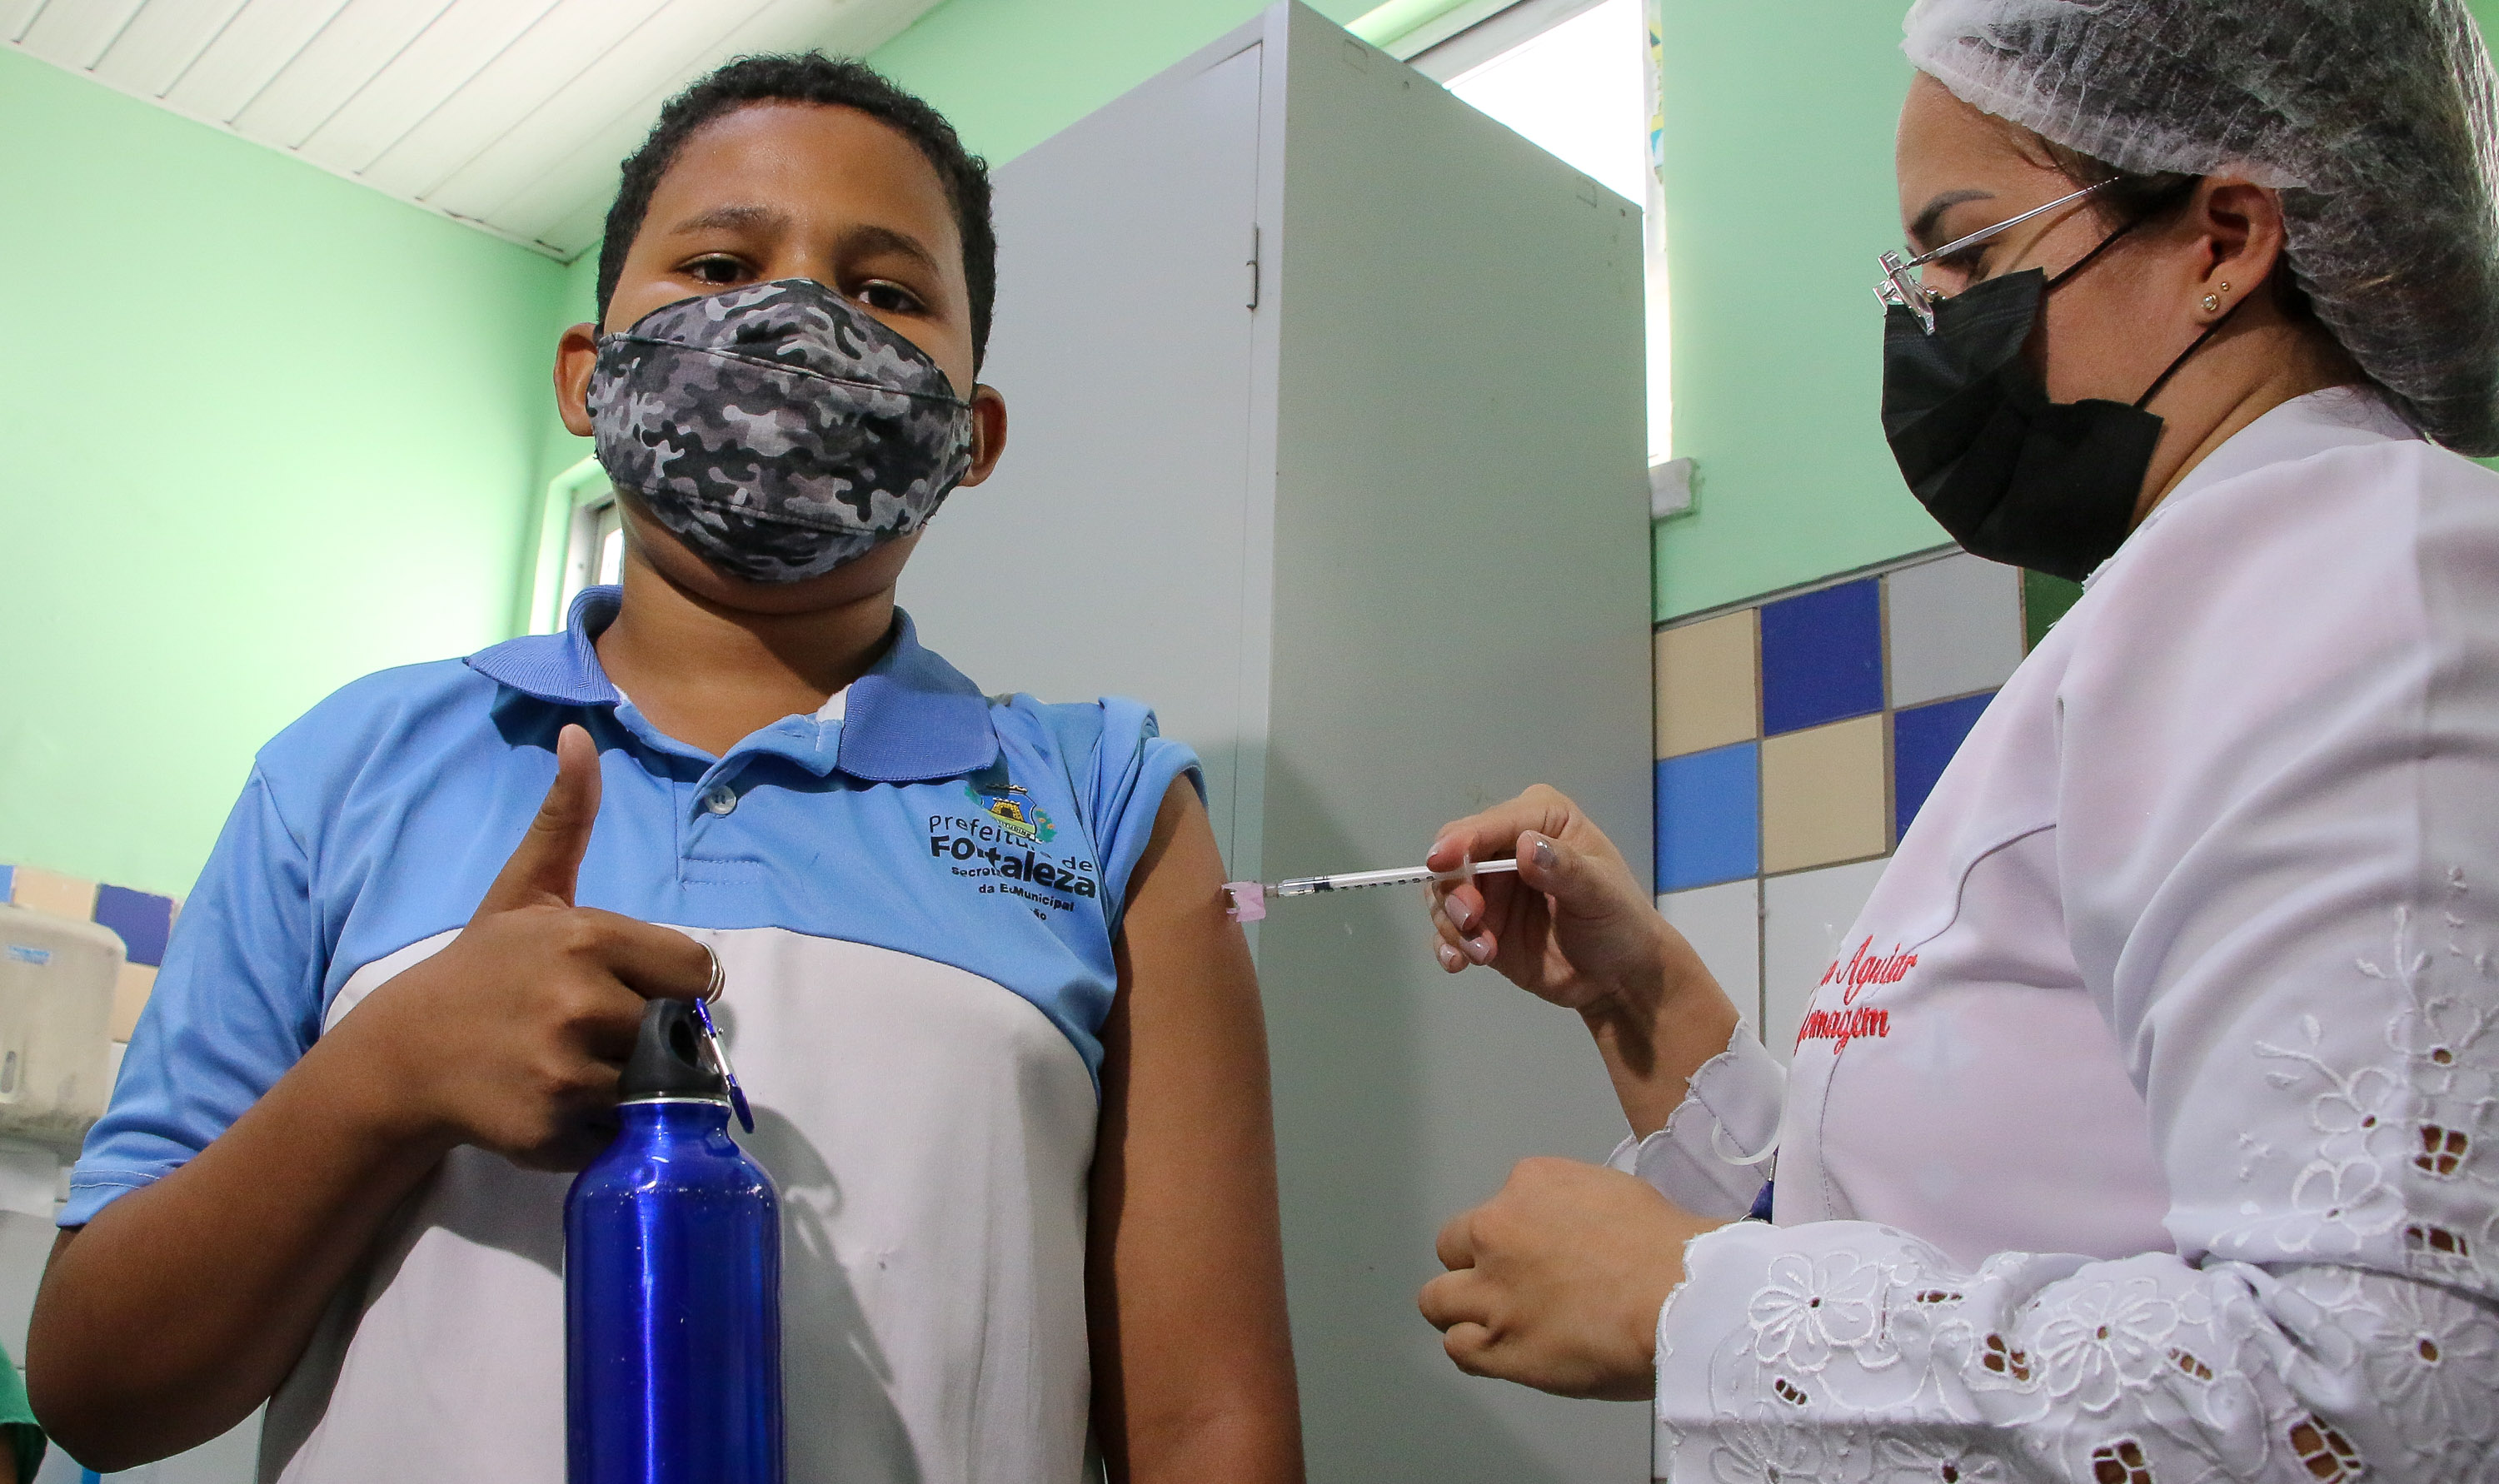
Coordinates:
[2213,301]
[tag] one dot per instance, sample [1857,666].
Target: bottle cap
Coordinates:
[669,1061]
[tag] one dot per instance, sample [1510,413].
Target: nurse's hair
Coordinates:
[2378,120]
[812,78]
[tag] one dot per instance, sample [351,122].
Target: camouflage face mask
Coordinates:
[778,429]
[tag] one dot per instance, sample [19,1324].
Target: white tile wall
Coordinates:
[1955,627]
[25,1245]
[1804,918]
[1722,923]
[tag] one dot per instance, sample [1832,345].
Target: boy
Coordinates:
[1005,1051]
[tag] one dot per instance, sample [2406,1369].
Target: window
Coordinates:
[1574,78]
[608,526]
[1573,89]
[594,546]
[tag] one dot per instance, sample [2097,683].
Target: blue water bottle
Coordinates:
[672,1281]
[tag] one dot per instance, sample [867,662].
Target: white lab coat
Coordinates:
[2148,1126]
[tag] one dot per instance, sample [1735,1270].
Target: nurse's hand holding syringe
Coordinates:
[1577,929]
[1557,1280]
[1531,888]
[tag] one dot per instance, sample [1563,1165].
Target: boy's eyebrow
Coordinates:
[874,239]
[862,239]
[729,217]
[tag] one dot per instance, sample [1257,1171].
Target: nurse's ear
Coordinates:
[575,354]
[2235,227]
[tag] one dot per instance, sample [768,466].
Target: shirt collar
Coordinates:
[2337,417]
[910,719]
[2302,427]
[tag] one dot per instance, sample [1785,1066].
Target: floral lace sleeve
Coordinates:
[1843,1351]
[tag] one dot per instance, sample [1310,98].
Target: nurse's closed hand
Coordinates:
[1573,926]
[1557,1282]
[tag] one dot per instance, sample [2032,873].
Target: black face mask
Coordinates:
[2013,476]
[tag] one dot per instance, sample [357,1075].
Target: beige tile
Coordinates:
[1823,796]
[130,996]
[1708,685]
[63,896]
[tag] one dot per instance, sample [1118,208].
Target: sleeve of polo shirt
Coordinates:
[1133,768]
[236,1004]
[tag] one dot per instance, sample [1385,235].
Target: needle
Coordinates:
[1249,897]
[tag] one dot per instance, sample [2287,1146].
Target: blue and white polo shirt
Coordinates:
[914,901]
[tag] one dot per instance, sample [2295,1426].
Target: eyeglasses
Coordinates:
[1901,287]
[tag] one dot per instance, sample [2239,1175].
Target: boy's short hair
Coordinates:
[811,77]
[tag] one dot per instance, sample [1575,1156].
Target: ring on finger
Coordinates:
[719,975]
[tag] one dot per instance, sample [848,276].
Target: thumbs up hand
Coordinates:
[512,1037]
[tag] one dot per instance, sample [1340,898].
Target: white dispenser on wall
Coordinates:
[56,984]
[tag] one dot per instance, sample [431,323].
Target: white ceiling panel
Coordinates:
[502,102]
[497,176]
[79,29]
[150,60]
[348,52]
[507,115]
[559,203]
[461,43]
[18,16]
[568,221]
[244,57]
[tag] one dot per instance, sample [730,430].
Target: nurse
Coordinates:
[2147,1126]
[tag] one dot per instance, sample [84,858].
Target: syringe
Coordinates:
[1249,897]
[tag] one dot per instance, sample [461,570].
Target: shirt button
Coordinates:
[720,799]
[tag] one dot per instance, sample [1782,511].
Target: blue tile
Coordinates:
[143,921]
[1922,741]
[1822,656]
[1709,817]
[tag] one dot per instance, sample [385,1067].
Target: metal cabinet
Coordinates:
[1327,438]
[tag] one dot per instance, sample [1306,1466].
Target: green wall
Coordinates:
[1780,194]
[261,430]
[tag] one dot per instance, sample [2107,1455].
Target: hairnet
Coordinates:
[2375,119]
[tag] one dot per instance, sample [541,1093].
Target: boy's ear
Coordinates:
[575,356]
[989,433]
